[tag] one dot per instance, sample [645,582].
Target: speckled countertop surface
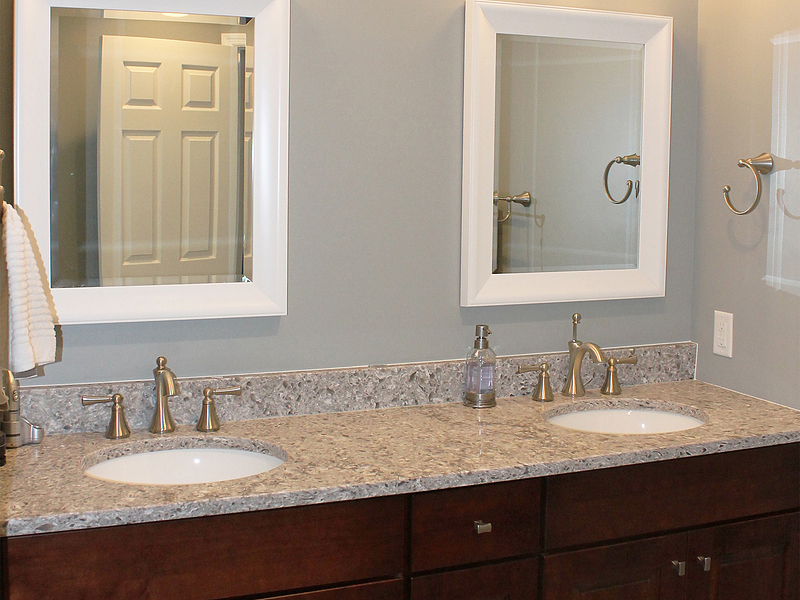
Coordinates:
[339,456]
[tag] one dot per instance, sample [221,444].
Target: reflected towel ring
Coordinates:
[524,199]
[632,160]
[759,165]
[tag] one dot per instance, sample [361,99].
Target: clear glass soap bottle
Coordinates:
[481,363]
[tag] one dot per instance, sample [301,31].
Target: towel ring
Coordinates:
[759,165]
[632,160]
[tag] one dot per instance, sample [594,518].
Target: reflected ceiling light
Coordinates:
[172,14]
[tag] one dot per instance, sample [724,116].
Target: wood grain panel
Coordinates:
[608,504]
[754,559]
[443,524]
[214,557]
[381,590]
[640,570]
[513,580]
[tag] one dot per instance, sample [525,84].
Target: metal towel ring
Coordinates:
[632,160]
[524,199]
[759,165]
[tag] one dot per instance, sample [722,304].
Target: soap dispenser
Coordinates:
[480,371]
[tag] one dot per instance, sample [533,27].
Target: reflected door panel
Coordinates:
[167,152]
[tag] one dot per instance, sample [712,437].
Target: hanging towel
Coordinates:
[32,337]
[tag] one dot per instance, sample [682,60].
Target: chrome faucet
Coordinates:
[574,385]
[19,431]
[166,387]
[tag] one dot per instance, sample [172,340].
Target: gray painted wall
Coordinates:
[374,220]
[735,121]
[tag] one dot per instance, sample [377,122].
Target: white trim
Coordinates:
[266,294]
[484,20]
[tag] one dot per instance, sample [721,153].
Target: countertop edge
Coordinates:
[220,506]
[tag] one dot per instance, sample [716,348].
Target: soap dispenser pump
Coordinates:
[480,369]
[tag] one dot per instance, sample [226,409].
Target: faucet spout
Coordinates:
[574,385]
[166,387]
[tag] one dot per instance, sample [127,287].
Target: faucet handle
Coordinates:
[543,391]
[611,385]
[209,421]
[118,426]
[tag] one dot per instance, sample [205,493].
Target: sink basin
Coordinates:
[626,420]
[182,466]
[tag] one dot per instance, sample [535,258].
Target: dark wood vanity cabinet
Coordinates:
[646,531]
[746,558]
[750,560]
[468,527]
[223,556]
[381,590]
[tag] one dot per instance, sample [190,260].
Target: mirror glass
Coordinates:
[564,109]
[566,154]
[151,158]
[151,144]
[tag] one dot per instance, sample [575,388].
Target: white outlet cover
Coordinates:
[723,333]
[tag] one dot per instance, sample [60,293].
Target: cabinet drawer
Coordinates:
[513,580]
[214,557]
[608,504]
[444,531]
[382,590]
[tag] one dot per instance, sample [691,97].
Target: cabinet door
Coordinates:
[382,590]
[640,570]
[513,580]
[757,559]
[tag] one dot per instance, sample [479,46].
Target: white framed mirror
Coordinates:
[562,203]
[252,278]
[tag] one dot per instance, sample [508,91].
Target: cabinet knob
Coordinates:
[705,562]
[680,567]
[481,527]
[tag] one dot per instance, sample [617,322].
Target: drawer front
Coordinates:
[382,590]
[608,504]
[214,557]
[444,532]
[513,580]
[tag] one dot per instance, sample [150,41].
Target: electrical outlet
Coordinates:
[723,333]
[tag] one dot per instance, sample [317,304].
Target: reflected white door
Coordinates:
[167,156]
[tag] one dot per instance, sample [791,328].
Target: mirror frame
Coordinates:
[484,20]
[266,294]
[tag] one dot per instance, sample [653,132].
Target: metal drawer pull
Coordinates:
[680,567]
[481,527]
[705,561]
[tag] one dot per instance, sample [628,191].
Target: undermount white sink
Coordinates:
[182,466]
[626,421]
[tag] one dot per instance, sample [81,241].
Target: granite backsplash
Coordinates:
[58,408]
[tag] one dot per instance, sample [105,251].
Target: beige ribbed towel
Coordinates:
[32,337]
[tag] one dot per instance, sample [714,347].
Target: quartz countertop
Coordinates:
[342,456]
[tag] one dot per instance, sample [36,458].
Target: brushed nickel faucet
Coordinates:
[209,421]
[611,386]
[166,387]
[543,391]
[574,385]
[18,430]
[118,425]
